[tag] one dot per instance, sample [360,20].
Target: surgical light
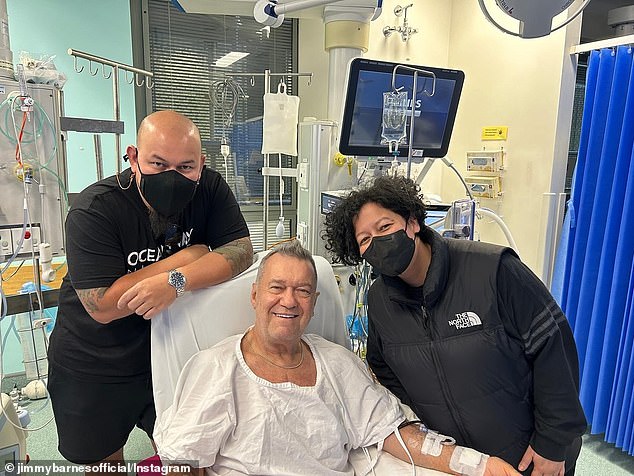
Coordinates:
[271,12]
[535,16]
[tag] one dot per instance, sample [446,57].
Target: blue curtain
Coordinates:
[594,267]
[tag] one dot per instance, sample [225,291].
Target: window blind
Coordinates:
[183,49]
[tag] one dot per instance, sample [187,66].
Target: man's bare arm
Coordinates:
[222,264]
[101,303]
[238,253]
[414,440]
[152,295]
[147,291]
[91,298]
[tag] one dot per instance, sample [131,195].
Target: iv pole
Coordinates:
[413,107]
[116,67]
[265,169]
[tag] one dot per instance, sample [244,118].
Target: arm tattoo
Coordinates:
[90,298]
[239,254]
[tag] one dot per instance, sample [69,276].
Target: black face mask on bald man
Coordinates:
[168,193]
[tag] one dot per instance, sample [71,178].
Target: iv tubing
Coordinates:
[507,233]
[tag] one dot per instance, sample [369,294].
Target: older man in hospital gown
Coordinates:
[274,401]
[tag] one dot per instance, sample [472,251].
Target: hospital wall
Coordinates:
[50,27]
[527,85]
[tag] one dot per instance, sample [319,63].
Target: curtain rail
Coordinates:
[597,45]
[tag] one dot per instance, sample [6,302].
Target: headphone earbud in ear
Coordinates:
[127,158]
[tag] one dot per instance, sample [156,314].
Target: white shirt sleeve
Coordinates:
[371,412]
[202,415]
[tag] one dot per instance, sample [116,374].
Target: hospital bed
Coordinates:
[199,319]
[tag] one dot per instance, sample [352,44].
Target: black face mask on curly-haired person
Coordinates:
[390,254]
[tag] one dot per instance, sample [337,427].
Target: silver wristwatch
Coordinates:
[177,280]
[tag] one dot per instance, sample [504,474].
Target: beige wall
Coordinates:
[526,85]
[430,46]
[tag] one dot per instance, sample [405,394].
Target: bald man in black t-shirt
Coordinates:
[135,242]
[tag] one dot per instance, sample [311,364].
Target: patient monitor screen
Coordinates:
[433,115]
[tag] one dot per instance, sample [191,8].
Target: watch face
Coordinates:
[177,279]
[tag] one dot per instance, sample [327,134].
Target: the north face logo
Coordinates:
[466,319]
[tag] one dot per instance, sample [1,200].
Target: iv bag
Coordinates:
[279,126]
[394,117]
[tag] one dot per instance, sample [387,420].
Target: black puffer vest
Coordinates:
[463,374]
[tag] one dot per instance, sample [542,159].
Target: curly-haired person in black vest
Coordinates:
[463,332]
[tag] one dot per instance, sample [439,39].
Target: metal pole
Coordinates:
[60,141]
[98,157]
[116,66]
[265,232]
[309,75]
[40,298]
[99,59]
[267,86]
[117,115]
[411,126]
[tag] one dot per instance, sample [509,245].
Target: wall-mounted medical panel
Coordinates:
[485,161]
[484,187]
